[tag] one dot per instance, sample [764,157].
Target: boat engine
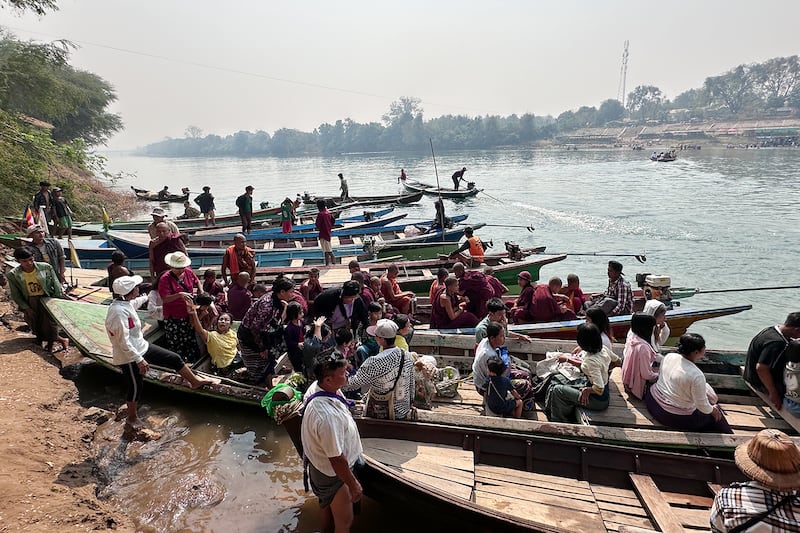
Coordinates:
[470,185]
[514,251]
[656,287]
[372,246]
[369,216]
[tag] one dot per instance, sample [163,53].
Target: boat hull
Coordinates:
[432,190]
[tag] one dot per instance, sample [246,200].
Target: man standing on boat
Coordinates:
[245,205]
[159,216]
[458,175]
[43,198]
[324,225]
[766,358]
[331,444]
[205,201]
[344,188]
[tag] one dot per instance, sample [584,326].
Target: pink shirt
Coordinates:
[169,284]
[637,363]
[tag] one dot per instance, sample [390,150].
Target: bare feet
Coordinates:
[201,382]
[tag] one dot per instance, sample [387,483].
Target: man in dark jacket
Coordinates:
[342,307]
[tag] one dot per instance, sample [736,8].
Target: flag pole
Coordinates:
[438,188]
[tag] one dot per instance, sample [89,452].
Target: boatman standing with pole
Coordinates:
[458,175]
[331,444]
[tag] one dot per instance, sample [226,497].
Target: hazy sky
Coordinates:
[260,64]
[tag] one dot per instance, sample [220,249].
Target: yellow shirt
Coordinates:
[222,347]
[32,283]
[401,342]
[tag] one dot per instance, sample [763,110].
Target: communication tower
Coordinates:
[623,75]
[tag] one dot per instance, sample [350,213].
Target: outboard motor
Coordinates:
[514,251]
[640,279]
[369,216]
[657,287]
[470,185]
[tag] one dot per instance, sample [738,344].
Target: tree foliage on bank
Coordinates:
[50,113]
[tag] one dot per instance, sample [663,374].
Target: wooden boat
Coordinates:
[150,196]
[304,223]
[432,190]
[678,319]
[336,201]
[135,245]
[258,238]
[84,323]
[626,421]
[664,157]
[415,276]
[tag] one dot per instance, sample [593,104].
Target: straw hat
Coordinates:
[177,260]
[772,459]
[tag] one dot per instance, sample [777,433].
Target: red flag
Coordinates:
[28,216]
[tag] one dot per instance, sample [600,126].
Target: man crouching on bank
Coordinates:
[331,444]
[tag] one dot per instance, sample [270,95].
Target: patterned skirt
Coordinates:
[181,338]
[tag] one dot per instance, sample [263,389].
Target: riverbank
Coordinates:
[48,480]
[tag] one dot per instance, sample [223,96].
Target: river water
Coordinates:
[714,219]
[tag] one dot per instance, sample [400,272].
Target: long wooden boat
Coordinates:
[135,245]
[305,223]
[334,201]
[150,196]
[625,422]
[258,238]
[444,192]
[678,319]
[488,480]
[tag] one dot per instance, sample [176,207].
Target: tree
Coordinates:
[39,7]
[609,111]
[735,89]
[692,99]
[193,132]
[401,111]
[87,120]
[777,79]
[645,101]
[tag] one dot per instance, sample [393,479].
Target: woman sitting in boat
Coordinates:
[638,370]
[221,343]
[447,309]
[661,331]
[522,311]
[599,318]
[591,390]
[681,398]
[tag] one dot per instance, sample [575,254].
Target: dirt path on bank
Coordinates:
[47,478]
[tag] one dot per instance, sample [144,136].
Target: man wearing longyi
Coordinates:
[331,444]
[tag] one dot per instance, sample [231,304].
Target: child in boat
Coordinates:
[661,331]
[206,311]
[317,339]
[575,297]
[215,289]
[791,378]
[498,388]
[369,346]
[293,335]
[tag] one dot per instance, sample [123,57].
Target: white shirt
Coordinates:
[681,386]
[124,330]
[328,431]
[480,372]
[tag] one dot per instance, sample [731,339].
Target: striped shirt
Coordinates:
[736,504]
[380,371]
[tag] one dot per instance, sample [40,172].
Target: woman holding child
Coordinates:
[681,398]
[595,362]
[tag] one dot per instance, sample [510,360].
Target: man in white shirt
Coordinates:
[331,443]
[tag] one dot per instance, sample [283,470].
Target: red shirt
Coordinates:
[324,224]
[169,284]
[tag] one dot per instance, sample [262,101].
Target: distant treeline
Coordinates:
[771,88]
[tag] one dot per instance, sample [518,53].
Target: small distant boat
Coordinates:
[150,196]
[664,157]
[416,186]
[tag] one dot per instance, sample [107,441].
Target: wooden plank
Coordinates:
[610,517]
[532,491]
[685,500]
[632,529]
[693,518]
[787,416]
[522,493]
[500,473]
[655,505]
[714,488]
[553,516]
[449,487]
[454,457]
[422,466]
[561,486]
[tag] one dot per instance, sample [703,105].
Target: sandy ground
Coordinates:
[47,477]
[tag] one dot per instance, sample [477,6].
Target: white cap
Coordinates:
[125,284]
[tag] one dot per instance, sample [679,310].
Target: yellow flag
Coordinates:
[106,219]
[73,255]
